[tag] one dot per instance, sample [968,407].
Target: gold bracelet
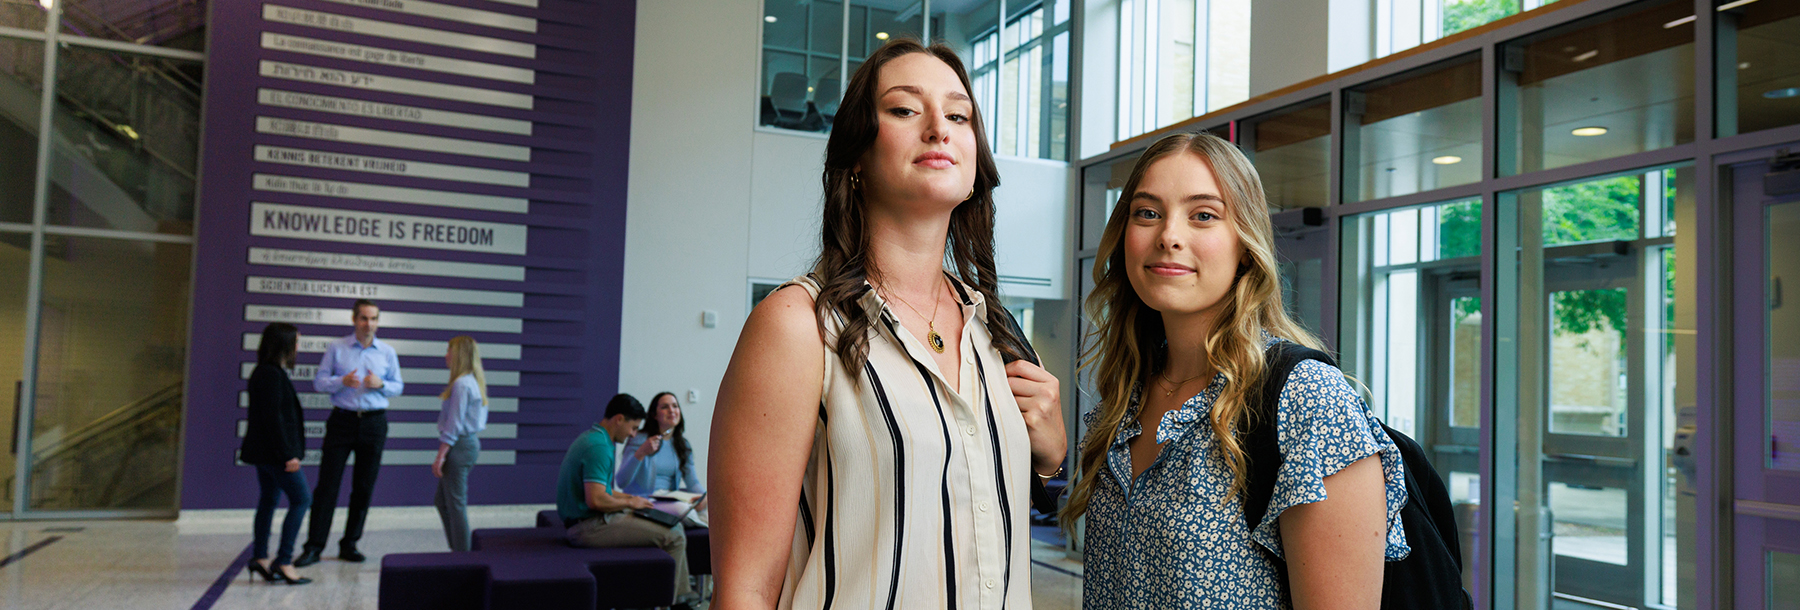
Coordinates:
[1046,477]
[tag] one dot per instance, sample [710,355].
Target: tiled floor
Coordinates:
[91,565]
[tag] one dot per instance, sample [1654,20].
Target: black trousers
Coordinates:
[346,432]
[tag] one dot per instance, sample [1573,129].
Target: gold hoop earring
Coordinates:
[971,195]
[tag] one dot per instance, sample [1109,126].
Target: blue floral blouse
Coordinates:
[1175,537]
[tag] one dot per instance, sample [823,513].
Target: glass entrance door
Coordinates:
[1766,206]
[1604,365]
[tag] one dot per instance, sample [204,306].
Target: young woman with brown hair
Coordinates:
[871,446]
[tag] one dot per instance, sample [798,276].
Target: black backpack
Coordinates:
[1431,576]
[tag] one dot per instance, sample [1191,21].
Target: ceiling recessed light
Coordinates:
[769,19]
[1729,6]
[46,3]
[1588,55]
[1447,160]
[1782,94]
[881,36]
[1678,22]
[1744,66]
[1589,131]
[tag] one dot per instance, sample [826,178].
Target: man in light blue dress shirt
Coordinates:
[360,373]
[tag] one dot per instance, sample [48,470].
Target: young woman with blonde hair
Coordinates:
[1186,303]
[464,415]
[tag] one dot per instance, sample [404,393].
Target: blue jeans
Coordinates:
[274,480]
[452,498]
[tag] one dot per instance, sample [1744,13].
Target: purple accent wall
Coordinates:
[574,262]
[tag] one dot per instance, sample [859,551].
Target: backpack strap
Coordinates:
[1262,441]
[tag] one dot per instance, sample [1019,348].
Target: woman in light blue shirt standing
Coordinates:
[463,416]
[659,456]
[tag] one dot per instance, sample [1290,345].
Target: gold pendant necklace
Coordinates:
[932,338]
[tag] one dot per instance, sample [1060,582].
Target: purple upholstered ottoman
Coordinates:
[517,538]
[539,581]
[699,551]
[433,581]
[628,577]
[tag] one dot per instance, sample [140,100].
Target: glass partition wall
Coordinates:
[1544,256]
[97,202]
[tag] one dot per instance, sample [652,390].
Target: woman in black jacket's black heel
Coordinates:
[274,444]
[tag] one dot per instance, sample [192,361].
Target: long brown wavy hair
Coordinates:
[1128,345]
[844,266]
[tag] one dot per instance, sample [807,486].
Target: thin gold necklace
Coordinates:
[1164,379]
[931,335]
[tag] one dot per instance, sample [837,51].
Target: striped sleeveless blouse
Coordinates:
[914,496]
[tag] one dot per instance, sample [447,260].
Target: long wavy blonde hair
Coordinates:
[1128,344]
[465,359]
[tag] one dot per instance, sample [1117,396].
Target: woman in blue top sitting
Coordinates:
[658,457]
[1186,299]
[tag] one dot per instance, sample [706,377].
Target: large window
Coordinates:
[1404,24]
[1762,41]
[1600,320]
[1410,329]
[97,201]
[1018,65]
[1614,85]
[1180,59]
[1414,133]
[1021,75]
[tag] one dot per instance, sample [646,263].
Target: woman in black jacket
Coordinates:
[273,443]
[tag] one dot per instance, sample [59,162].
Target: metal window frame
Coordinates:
[1707,152]
[53,39]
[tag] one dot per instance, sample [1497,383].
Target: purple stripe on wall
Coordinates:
[575,238]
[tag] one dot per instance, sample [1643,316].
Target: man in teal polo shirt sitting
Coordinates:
[598,517]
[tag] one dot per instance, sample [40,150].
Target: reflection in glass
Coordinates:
[15,264]
[1292,152]
[1597,90]
[111,354]
[127,147]
[1414,133]
[176,25]
[21,91]
[1784,335]
[1762,39]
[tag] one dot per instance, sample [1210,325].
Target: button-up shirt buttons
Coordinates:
[984,507]
[970,430]
[990,583]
